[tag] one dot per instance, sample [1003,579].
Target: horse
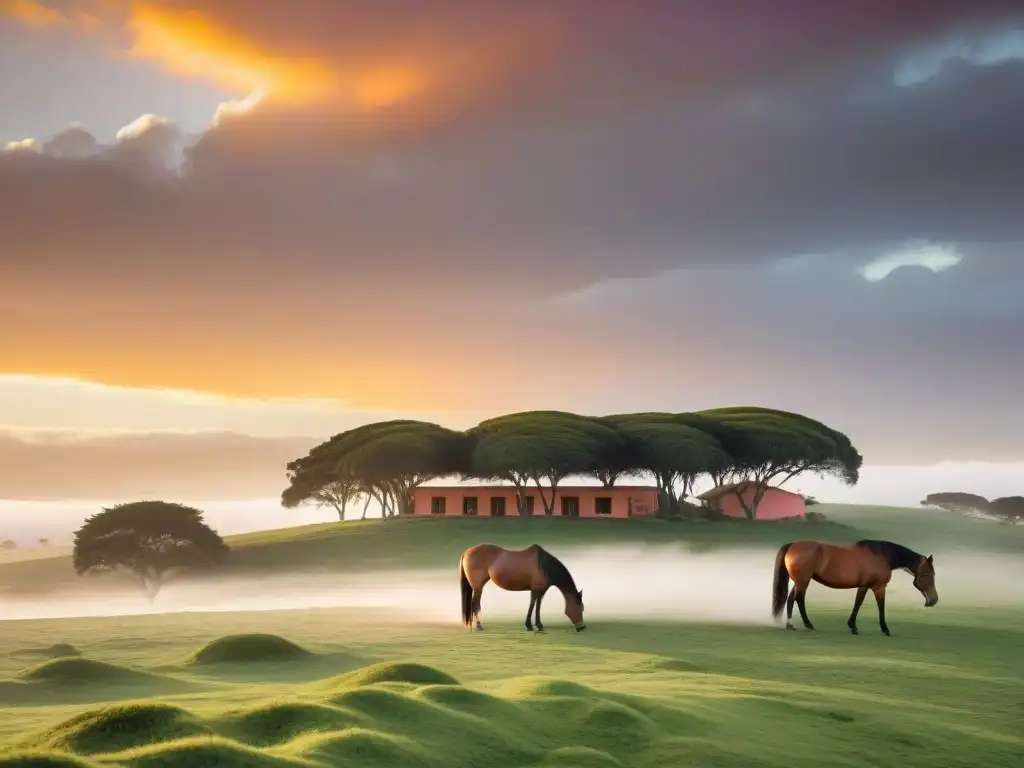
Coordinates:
[534,569]
[868,564]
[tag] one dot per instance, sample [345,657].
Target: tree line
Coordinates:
[386,461]
[1007,509]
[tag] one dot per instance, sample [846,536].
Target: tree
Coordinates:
[149,539]
[336,494]
[957,503]
[544,447]
[667,448]
[1009,509]
[44,543]
[8,545]
[385,460]
[767,445]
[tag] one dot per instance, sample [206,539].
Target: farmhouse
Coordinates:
[776,504]
[570,501]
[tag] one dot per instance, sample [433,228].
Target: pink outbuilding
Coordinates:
[775,504]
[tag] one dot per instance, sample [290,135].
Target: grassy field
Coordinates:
[363,688]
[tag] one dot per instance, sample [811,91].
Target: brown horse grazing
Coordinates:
[534,569]
[868,564]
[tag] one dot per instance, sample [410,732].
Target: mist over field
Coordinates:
[619,582]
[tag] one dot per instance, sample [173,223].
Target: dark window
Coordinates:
[603,505]
[571,506]
[528,502]
[437,505]
[469,505]
[497,506]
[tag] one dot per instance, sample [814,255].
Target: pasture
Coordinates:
[373,687]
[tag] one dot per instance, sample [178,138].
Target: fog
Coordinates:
[618,582]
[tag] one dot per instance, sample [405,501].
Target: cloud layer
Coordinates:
[495,206]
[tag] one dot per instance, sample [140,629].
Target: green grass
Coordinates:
[939,692]
[367,688]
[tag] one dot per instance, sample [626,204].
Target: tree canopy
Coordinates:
[149,539]
[386,461]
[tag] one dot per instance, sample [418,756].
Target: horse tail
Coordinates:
[467,595]
[781,583]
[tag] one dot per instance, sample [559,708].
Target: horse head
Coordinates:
[924,581]
[574,610]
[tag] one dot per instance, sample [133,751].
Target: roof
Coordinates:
[723,489]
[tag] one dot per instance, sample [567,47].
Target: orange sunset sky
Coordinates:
[229,229]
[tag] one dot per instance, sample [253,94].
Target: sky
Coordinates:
[232,228]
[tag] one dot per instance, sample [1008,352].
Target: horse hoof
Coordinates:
[887,634]
[853,631]
[791,628]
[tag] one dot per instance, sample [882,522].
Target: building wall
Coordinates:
[776,504]
[625,501]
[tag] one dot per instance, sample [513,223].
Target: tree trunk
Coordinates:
[366,506]
[518,484]
[339,509]
[549,507]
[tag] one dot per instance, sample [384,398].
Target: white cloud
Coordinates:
[937,258]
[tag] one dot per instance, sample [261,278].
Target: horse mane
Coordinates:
[896,555]
[556,572]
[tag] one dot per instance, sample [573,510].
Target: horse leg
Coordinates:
[539,595]
[801,597]
[852,621]
[789,609]
[533,599]
[880,599]
[477,593]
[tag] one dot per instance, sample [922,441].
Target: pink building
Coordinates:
[776,504]
[570,500]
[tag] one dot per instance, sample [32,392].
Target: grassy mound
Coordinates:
[78,671]
[360,746]
[276,723]
[393,672]
[201,752]
[43,760]
[249,649]
[119,727]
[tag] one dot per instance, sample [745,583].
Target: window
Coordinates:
[571,506]
[603,505]
[497,506]
[469,505]
[437,505]
[528,502]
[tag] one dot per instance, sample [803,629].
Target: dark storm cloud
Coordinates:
[585,142]
[792,139]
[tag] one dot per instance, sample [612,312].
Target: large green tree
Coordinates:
[542,447]
[667,448]
[386,460]
[148,539]
[769,447]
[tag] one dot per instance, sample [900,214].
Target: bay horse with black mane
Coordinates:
[868,564]
[534,569]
